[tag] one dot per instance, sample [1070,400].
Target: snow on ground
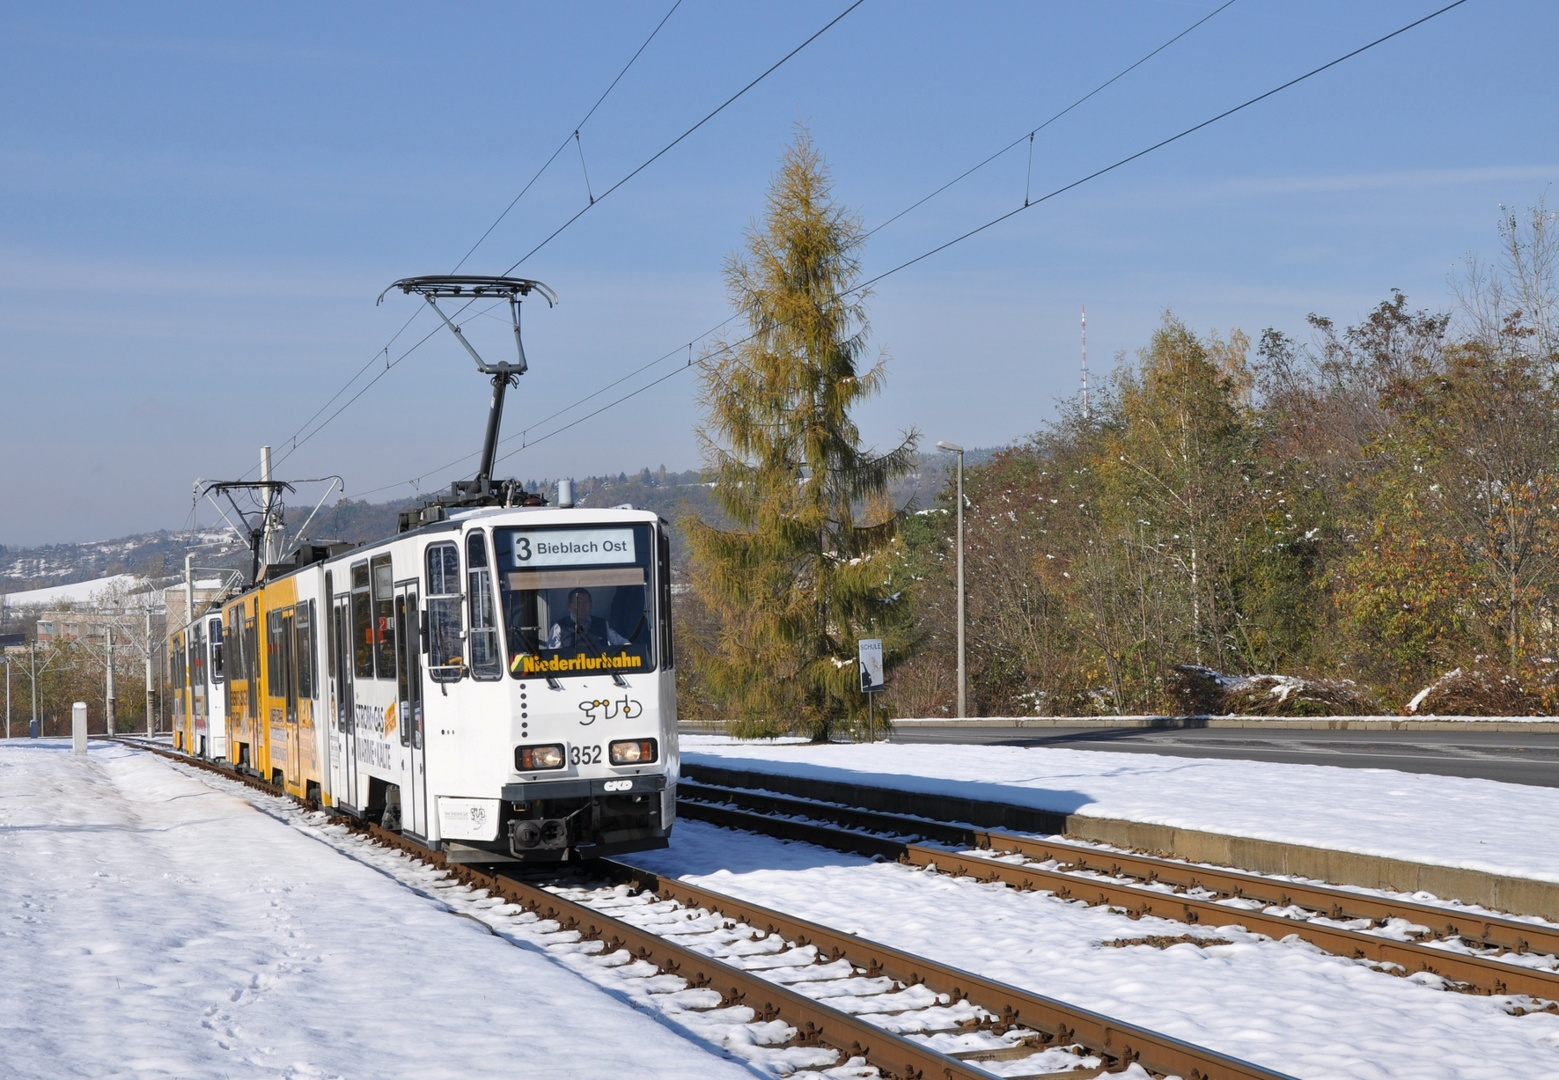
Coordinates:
[1445,820]
[1285,1005]
[156,925]
[80,593]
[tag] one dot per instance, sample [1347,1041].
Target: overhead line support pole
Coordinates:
[954,448]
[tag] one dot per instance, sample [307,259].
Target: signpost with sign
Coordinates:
[871,680]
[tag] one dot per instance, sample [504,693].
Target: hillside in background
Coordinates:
[153,555]
[161,554]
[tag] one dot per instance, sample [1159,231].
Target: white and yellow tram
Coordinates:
[496,680]
[497,684]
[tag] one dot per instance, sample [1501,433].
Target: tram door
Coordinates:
[346,704]
[290,660]
[408,694]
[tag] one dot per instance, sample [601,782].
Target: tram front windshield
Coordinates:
[577,601]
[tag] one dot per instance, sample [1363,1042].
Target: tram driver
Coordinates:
[580,630]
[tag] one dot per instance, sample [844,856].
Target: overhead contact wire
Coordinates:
[999,218]
[1030,135]
[293,439]
[564,144]
[1052,194]
[673,143]
[1158,145]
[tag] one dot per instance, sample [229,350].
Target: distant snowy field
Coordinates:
[156,927]
[1445,820]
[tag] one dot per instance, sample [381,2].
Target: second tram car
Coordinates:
[499,684]
[196,673]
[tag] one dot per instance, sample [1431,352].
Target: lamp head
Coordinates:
[950,447]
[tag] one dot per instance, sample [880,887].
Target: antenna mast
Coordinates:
[1085,363]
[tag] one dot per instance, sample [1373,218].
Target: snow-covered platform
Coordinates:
[1455,835]
[157,927]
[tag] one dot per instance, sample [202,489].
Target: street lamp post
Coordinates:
[954,448]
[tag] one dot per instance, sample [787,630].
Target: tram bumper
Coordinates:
[549,819]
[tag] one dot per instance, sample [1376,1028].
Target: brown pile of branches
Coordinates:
[1201,691]
[1463,692]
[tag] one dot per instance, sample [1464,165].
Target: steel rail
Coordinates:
[1473,927]
[1404,958]
[815,1024]
[1117,1042]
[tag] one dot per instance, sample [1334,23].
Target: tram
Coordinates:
[496,681]
[197,679]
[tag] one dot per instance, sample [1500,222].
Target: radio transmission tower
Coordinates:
[1085,363]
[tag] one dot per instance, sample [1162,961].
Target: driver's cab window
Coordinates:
[577,601]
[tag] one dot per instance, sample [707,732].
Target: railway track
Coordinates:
[1499,958]
[904,1015]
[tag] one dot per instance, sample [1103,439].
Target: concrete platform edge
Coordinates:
[1521,896]
[1283,723]
[1499,892]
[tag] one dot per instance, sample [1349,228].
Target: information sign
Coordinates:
[871,665]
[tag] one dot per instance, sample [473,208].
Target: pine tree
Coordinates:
[798,579]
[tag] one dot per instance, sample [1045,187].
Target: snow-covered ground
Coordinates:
[1444,820]
[82,592]
[157,924]
[1285,1005]
[164,922]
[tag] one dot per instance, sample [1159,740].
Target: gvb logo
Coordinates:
[625,707]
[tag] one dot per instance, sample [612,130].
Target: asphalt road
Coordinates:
[1514,758]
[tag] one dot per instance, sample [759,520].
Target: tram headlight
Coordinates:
[632,752]
[532,758]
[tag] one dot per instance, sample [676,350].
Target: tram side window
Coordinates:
[273,655]
[286,639]
[668,658]
[304,630]
[362,623]
[486,661]
[384,616]
[330,629]
[233,647]
[218,647]
[197,655]
[252,663]
[445,660]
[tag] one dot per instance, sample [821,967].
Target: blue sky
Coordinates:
[199,205]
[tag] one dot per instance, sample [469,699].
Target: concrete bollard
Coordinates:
[78,728]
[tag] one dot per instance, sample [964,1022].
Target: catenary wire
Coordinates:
[1029,135]
[292,440]
[295,442]
[1035,202]
[1158,145]
[716,111]
[564,144]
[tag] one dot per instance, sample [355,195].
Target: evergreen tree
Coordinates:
[807,567]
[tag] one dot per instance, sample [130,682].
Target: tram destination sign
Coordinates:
[573,547]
